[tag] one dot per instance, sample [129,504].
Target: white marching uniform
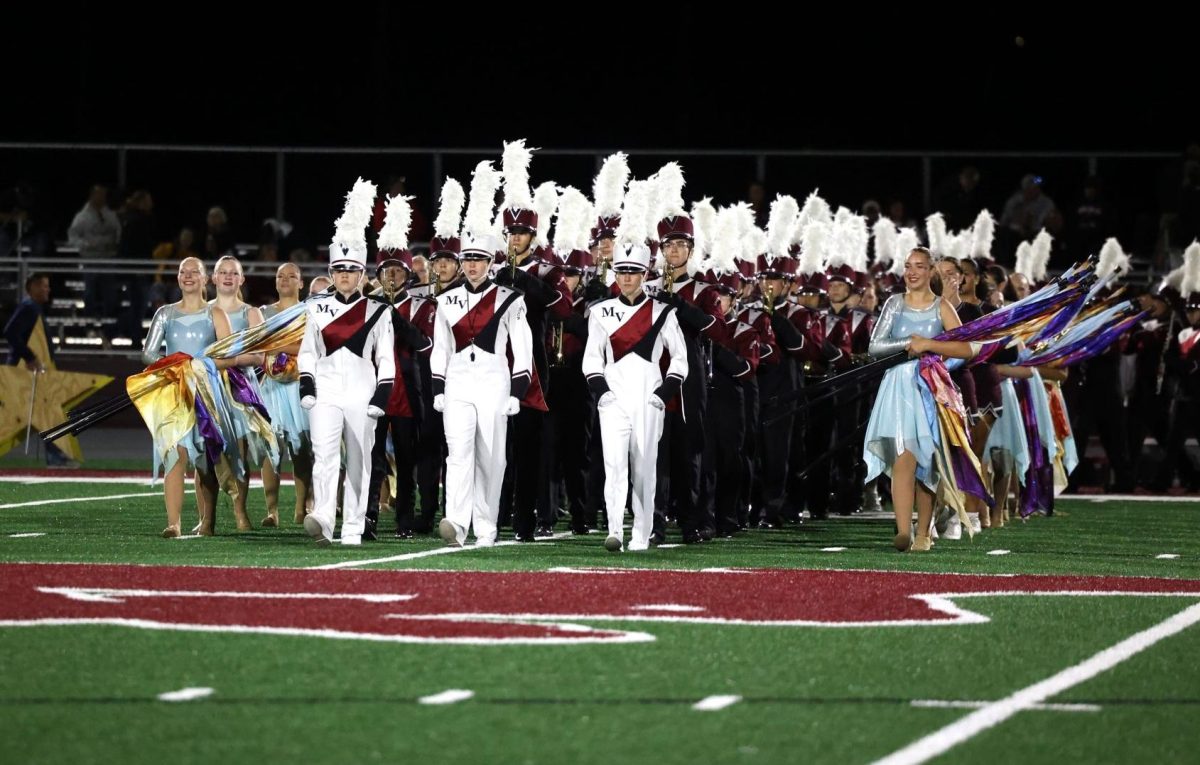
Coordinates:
[347,357]
[625,345]
[473,331]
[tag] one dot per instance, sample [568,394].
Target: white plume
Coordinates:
[608,189]
[545,202]
[1191,270]
[515,167]
[668,191]
[1112,260]
[782,222]
[574,222]
[1024,253]
[935,232]
[885,240]
[636,213]
[350,229]
[906,241]
[983,232]
[1039,259]
[704,223]
[450,210]
[484,182]
[396,223]
[728,240]
[814,247]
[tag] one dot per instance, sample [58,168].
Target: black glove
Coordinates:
[383,391]
[595,290]
[669,388]
[786,332]
[308,386]
[728,362]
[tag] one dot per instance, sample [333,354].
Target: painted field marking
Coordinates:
[674,607]
[421,554]
[998,552]
[715,703]
[833,549]
[105,595]
[1166,556]
[943,740]
[83,499]
[27,535]
[452,696]
[943,704]
[186,694]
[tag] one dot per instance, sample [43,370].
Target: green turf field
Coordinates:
[89,693]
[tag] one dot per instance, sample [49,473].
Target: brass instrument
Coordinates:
[669,279]
[769,303]
[558,344]
[602,271]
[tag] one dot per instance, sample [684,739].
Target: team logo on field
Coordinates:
[550,607]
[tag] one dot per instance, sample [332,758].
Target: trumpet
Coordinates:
[602,271]
[769,303]
[558,345]
[669,279]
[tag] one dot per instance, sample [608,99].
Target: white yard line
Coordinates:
[943,740]
[83,499]
[452,696]
[422,554]
[715,703]
[943,704]
[186,694]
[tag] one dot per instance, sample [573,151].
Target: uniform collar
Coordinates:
[347,300]
[636,301]
[483,285]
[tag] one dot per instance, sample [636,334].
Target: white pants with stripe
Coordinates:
[330,422]
[475,426]
[629,432]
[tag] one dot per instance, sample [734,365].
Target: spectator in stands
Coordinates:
[95,232]
[957,198]
[1026,210]
[21,225]
[136,246]
[1089,225]
[756,195]
[218,239]
[164,290]
[420,270]
[898,214]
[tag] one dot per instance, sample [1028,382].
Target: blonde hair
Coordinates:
[241,272]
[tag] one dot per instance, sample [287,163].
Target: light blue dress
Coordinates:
[257,448]
[281,394]
[900,420]
[178,332]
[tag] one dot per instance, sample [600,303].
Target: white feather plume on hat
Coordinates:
[668,191]
[396,223]
[885,233]
[727,240]
[782,222]
[515,167]
[478,221]
[906,241]
[634,228]
[935,233]
[983,232]
[349,231]
[814,247]
[1039,259]
[574,221]
[1191,270]
[704,222]
[450,209]
[545,202]
[1112,259]
[815,210]
[1024,253]
[608,188]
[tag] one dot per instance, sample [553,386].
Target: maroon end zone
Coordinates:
[510,607]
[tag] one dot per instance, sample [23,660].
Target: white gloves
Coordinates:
[606,399]
[308,402]
[514,406]
[657,403]
[374,412]
[439,402]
